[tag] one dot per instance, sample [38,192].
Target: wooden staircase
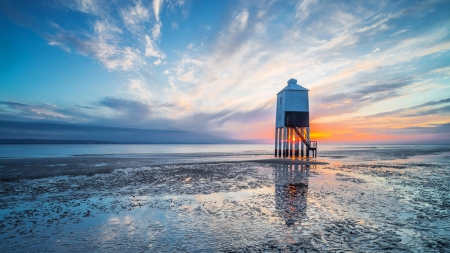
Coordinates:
[310,145]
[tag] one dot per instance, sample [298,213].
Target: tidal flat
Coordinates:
[365,200]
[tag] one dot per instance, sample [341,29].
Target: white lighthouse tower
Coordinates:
[292,122]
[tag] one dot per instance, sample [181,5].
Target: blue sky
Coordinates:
[208,71]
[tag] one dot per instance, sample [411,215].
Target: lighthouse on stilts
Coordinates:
[292,123]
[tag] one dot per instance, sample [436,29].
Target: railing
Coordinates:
[308,143]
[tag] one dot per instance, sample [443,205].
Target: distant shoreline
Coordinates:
[50,141]
[47,141]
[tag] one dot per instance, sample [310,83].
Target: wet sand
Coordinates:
[131,204]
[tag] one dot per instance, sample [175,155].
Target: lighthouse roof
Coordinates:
[293,86]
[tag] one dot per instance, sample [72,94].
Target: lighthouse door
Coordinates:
[288,119]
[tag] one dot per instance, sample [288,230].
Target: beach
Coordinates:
[349,198]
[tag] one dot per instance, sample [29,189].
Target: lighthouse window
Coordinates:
[281,100]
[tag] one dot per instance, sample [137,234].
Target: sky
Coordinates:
[185,71]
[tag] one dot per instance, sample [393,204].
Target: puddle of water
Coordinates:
[420,158]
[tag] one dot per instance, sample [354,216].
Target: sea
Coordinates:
[196,150]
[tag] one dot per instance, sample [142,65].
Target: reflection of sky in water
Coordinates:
[217,220]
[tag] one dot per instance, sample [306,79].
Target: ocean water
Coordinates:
[204,150]
[129,150]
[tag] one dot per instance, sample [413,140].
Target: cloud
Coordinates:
[235,34]
[156,31]
[87,6]
[418,110]
[37,112]
[358,98]
[105,30]
[135,15]
[400,32]
[219,119]
[302,9]
[442,101]
[86,107]
[173,4]
[445,110]
[56,130]
[103,45]
[12,104]
[139,89]
[90,7]
[240,22]
[340,41]
[434,129]
[114,35]
[127,108]
[151,50]
[188,77]
[431,134]
[157,4]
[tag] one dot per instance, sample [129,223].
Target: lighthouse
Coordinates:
[292,122]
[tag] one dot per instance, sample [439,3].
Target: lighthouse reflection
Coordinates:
[291,190]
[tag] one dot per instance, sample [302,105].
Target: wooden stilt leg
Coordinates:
[276,141]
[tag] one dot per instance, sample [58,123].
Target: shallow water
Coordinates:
[131,150]
[367,199]
[204,151]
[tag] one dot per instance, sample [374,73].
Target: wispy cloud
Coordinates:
[37,112]
[302,9]
[151,50]
[104,45]
[104,37]
[139,89]
[12,104]
[399,32]
[127,109]
[422,109]
[135,15]
[86,107]
[93,7]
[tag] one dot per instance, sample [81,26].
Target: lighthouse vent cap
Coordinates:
[293,86]
[292,81]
